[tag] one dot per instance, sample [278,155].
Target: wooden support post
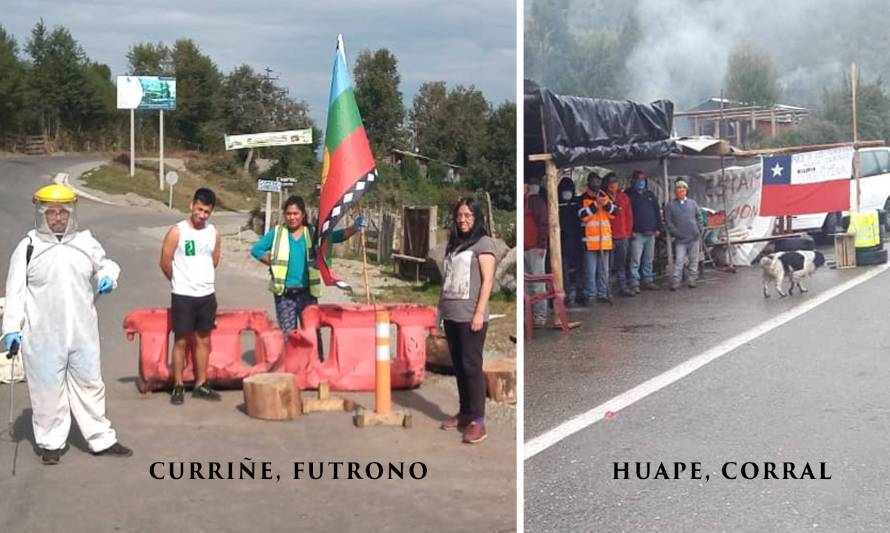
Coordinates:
[553,222]
[696,127]
[325,402]
[718,131]
[738,132]
[272,396]
[856,158]
[667,198]
[772,118]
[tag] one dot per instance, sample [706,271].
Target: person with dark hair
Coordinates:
[463,307]
[290,253]
[535,244]
[622,230]
[570,238]
[189,257]
[646,228]
[597,210]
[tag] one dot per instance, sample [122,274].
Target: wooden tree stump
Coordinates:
[500,380]
[438,358]
[272,396]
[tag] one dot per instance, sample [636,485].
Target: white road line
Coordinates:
[576,424]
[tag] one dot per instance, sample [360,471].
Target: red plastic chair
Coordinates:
[549,293]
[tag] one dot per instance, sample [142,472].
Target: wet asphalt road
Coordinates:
[89,494]
[816,389]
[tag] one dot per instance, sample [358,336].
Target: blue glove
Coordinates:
[105,285]
[360,223]
[12,338]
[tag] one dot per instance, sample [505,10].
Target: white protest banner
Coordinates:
[273,138]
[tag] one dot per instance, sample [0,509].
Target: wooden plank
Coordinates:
[553,218]
[368,418]
[540,157]
[807,148]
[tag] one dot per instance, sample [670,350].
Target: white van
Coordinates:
[874,184]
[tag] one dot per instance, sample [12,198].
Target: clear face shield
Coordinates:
[57,219]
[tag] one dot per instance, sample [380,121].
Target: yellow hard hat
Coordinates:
[55,193]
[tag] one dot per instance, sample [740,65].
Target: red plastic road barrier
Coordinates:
[350,364]
[224,367]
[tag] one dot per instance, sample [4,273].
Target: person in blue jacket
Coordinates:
[290,253]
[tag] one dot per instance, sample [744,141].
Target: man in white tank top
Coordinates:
[189,257]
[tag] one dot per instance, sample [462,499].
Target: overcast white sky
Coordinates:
[458,41]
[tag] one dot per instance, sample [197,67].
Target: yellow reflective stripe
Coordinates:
[279,260]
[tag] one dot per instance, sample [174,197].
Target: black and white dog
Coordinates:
[796,265]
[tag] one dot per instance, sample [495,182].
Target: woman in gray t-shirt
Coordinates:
[463,307]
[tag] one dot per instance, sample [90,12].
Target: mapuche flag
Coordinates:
[809,182]
[348,167]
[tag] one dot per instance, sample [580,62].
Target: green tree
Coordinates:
[409,169]
[198,85]
[751,77]
[12,83]
[150,59]
[449,125]
[428,118]
[872,109]
[379,99]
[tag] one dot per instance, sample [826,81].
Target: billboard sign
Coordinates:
[272,138]
[146,92]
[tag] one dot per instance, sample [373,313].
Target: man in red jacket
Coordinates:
[622,230]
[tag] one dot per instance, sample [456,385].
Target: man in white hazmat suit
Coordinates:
[50,313]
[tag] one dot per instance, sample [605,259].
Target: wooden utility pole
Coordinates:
[856,161]
[553,225]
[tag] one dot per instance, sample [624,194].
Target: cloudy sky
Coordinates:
[458,41]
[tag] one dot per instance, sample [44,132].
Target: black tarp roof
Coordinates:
[593,131]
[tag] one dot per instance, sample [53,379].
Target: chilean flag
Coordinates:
[810,182]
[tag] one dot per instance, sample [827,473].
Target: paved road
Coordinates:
[812,390]
[88,494]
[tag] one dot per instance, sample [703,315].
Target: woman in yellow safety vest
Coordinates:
[290,253]
[597,210]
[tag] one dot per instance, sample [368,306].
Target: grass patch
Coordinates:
[428,294]
[114,178]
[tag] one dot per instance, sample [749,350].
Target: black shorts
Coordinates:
[193,313]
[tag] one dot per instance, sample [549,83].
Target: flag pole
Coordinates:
[364,258]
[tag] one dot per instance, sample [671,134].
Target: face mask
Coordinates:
[640,184]
[533,189]
[566,195]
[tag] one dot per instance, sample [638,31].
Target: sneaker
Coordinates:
[540,323]
[204,392]
[651,286]
[691,284]
[178,395]
[636,290]
[455,422]
[475,432]
[51,457]
[116,450]
[627,292]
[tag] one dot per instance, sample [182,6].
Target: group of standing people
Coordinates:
[57,271]
[609,229]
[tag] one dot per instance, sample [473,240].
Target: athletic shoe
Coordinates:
[204,392]
[116,450]
[651,286]
[475,433]
[455,422]
[691,284]
[51,457]
[178,395]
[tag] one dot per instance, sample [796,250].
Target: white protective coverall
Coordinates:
[51,302]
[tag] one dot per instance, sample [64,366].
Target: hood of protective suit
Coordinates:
[55,211]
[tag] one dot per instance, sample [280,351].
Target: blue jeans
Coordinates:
[642,252]
[682,252]
[596,284]
[619,257]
